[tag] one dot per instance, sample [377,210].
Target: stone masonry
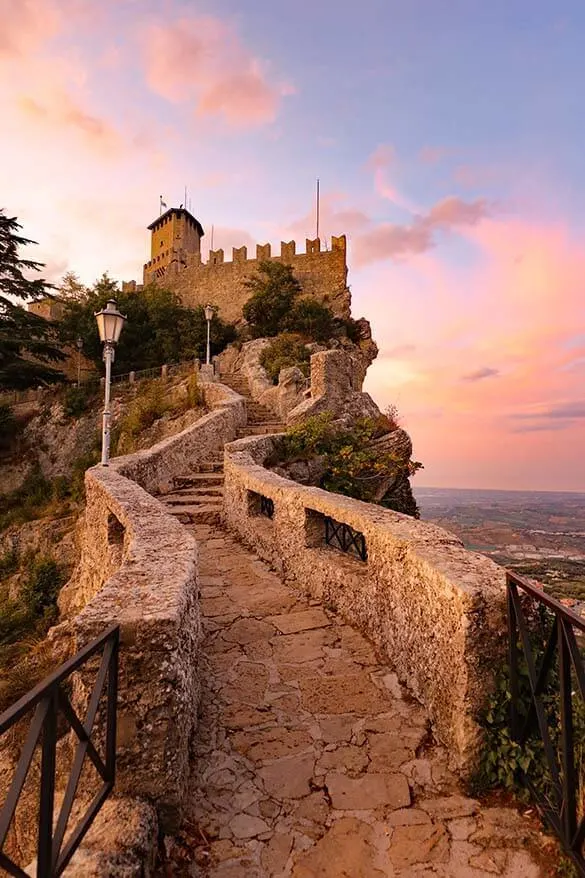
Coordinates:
[322,273]
[310,761]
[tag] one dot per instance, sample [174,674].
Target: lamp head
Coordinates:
[110,323]
[209,312]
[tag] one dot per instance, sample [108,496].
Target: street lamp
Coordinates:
[209,318]
[79,349]
[110,323]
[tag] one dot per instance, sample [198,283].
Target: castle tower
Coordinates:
[174,234]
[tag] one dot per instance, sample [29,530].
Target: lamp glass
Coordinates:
[208,312]
[110,323]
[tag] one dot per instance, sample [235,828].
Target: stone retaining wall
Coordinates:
[433,609]
[139,569]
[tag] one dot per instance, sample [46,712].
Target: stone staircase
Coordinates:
[261,420]
[198,497]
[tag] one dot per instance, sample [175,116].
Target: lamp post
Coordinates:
[110,323]
[209,318]
[79,349]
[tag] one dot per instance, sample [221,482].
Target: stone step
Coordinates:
[210,466]
[260,430]
[198,480]
[209,514]
[196,491]
[173,500]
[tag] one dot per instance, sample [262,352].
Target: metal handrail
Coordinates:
[341,536]
[562,812]
[49,699]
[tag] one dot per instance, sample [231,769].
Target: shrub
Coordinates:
[8,563]
[8,427]
[79,399]
[286,350]
[274,290]
[39,594]
[352,466]
[148,407]
[80,465]
[311,318]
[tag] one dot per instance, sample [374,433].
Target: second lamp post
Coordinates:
[209,317]
[110,323]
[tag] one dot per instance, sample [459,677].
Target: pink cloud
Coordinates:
[432,155]
[26,24]
[393,241]
[521,427]
[200,60]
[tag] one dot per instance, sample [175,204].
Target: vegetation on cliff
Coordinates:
[29,345]
[346,459]
[288,349]
[158,330]
[276,305]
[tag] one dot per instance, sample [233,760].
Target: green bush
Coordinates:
[504,762]
[311,318]
[286,350]
[8,427]
[352,466]
[79,399]
[274,290]
[8,563]
[148,407]
[39,594]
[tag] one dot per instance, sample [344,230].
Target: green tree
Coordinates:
[274,290]
[311,318]
[29,345]
[158,330]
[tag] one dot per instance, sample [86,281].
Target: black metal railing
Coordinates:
[547,706]
[345,538]
[266,506]
[51,704]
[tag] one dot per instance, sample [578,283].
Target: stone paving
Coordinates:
[310,762]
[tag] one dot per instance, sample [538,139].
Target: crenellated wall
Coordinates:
[322,273]
[435,611]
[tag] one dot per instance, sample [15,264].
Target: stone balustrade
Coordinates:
[138,569]
[435,611]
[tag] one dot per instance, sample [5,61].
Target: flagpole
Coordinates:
[317,235]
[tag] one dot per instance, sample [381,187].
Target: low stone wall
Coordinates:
[433,609]
[139,569]
[155,468]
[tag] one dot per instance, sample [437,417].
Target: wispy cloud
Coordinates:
[201,61]
[480,374]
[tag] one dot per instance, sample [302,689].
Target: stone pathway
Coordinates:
[310,762]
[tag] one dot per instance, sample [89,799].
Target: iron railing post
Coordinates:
[47,796]
[569,778]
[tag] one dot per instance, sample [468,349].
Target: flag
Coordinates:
[162,203]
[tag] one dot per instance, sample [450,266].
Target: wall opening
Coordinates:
[258,504]
[116,531]
[322,530]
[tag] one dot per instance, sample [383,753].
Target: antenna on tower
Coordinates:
[317,235]
[211,247]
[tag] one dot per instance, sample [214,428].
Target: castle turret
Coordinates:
[174,234]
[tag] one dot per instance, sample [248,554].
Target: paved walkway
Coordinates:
[310,762]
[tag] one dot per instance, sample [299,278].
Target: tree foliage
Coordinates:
[29,345]
[274,290]
[277,305]
[158,329]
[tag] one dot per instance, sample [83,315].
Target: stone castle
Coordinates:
[175,261]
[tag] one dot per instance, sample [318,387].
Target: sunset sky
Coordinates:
[448,139]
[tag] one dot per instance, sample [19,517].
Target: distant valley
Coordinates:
[540,535]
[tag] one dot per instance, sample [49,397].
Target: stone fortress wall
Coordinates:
[322,274]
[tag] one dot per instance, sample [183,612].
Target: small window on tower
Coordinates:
[162,243]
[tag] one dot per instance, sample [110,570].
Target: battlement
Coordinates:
[288,251]
[179,266]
